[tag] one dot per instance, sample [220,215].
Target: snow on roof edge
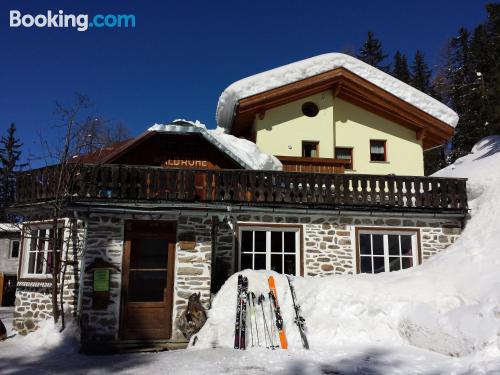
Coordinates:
[244,152]
[303,69]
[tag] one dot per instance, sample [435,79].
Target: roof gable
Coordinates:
[347,77]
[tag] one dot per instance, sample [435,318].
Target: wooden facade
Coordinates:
[312,165]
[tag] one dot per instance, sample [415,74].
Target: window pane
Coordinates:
[393,244]
[260,262]
[31,262]
[407,262]
[146,286]
[39,262]
[378,264]
[41,241]
[48,269]
[260,241]
[148,254]
[344,154]
[33,240]
[290,264]
[366,265]
[378,244]
[276,265]
[289,242]
[246,240]
[246,261]
[377,150]
[276,242]
[394,264]
[364,244]
[406,246]
[15,249]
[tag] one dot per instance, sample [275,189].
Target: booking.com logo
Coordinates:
[78,21]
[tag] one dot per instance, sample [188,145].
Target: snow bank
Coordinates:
[319,64]
[243,151]
[450,304]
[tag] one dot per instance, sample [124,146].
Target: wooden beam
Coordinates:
[421,134]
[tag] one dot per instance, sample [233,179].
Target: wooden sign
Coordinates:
[189,163]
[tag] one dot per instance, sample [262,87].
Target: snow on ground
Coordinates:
[442,317]
[242,150]
[319,64]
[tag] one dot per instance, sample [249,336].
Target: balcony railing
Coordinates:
[267,188]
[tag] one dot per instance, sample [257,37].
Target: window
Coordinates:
[378,151]
[310,149]
[381,251]
[310,109]
[274,249]
[344,153]
[39,245]
[14,248]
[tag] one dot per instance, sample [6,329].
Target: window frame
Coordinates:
[11,247]
[25,246]
[315,144]
[352,155]
[416,243]
[268,228]
[384,141]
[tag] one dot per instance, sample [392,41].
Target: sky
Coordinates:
[182,54]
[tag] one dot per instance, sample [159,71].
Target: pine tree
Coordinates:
[10,154]
[400,68]
[371,52]
[421,74]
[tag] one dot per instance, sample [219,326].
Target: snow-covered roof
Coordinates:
[9,227]
[303,69]
[244,152]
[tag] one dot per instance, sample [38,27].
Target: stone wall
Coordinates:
[193,265]
[329,241]
[104,241]
[34,296]
[192,269]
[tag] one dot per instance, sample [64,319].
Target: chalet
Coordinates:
[316,169]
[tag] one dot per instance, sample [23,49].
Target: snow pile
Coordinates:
[299,70]
[450,304]
[241,150]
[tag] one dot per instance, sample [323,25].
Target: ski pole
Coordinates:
[254,313]
[267,335]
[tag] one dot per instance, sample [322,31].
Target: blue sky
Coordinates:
[182,54]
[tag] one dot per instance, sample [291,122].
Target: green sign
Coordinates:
[101,280]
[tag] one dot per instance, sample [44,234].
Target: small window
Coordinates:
[344,153]
[381,251]
[310,109]
[378,151]
[14,249]
[310,149]
[39,247]
[276,249]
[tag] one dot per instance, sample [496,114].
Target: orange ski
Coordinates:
[277,313]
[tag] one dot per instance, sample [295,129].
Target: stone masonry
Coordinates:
[329,241]
[192,269]
[34,296]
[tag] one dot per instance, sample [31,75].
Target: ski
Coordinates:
[243,320]
[237,325]
[299,319]
[277,312]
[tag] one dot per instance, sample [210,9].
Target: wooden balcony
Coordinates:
[112,183]
[312,165]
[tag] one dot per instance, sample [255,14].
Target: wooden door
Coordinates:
[147,287]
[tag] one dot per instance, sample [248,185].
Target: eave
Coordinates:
[347,86]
